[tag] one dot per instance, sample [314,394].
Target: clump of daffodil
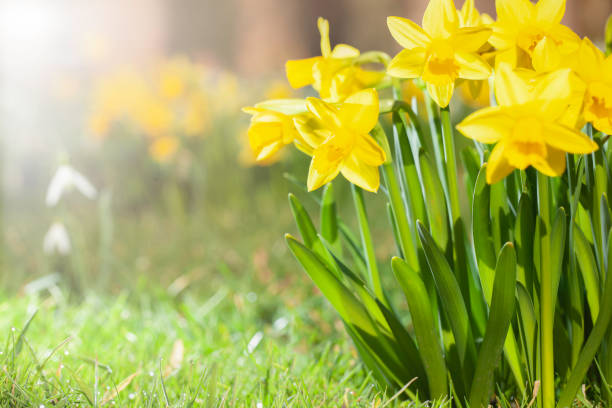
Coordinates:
[440,52]
[272,127]
[526,126]
[595,69]
[521,26]
[339,138]
[335,74]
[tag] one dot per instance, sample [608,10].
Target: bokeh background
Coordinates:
[143,98]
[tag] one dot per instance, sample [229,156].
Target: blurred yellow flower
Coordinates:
[278,90]
[522,25]
[163,148]
[196,118]
[525,126]
[334,74]
[341,143]
[439,53]
[595,69]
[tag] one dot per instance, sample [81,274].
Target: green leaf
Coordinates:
[437,213]
[557,248]
[309,233]
[410,176]
[500,316]
[588,268]
[523,236]
[528,321]
[424,326]
[481,233]
[329,216]
[452,300]
[303,221]
[594,340]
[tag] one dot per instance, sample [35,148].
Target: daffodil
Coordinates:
[476,93]
[525,126]
[163,148]
[595,69]
[522,25]
[272,127]
[340,141]
[335,74]
[439,53]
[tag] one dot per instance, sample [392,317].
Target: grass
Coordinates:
[153,349]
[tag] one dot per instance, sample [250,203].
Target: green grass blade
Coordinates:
[500,316]
[557,248]
[424,326]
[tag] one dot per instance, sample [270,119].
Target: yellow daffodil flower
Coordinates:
[270,130]
[522,25]
[341,143]
[163,148]
[595,70]
[525,126]
[334,74]
[469,16]
[439,53]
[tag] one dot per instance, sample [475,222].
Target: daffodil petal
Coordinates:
[550,11]
[441,94]
[440,19]
[368,151]
[307,129]
[359,112]
[497,165]
[553,91]
[510,88]
[344,51]
[546,56]
[513,11]
[468,14]
[299,72]
[407,33]
[470,39]
[589,61]
[567,139]
[407,64]
[554,163]
[361,174]
[324,112]
[472,66]
[487,125]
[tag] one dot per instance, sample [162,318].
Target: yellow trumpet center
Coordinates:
[526,144]
[441,67]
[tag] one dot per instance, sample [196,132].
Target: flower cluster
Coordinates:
[172,101]
[548,83]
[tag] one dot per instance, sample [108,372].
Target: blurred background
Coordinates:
[142,99]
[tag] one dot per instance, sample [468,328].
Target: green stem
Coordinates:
[451,164]
[368,246]
[546,297]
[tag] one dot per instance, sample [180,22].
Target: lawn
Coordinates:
[233,347]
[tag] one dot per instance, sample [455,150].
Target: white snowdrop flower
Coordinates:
[57,240]
[65,179]
[254,342]
[280,323]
